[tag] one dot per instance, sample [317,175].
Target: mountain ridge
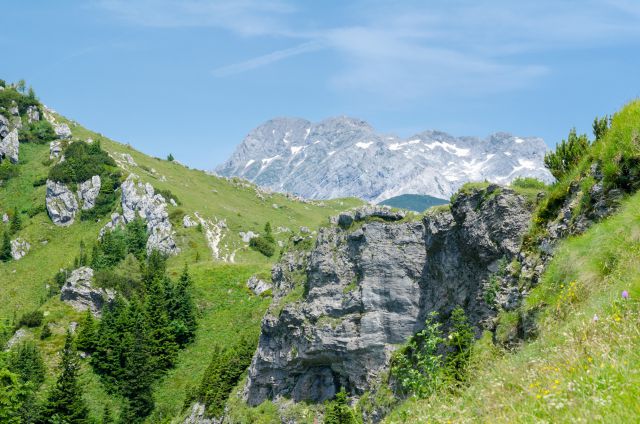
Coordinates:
[345,156]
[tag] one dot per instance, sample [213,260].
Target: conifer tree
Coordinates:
[87,333]
[65,403]
[137,373]
[13,395]
[106,416]
[5,248]
[26,361]
[338,411]
[16,222]
[162,345]
[183,310]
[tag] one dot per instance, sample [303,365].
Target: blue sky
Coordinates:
[193,77]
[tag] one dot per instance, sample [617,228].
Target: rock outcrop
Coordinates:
[258,286]
[79,292]
[140,199]
[4,127]
[88,192]
[62,131]
[33,114]
[61,203]
[188,222]
[9,146]
[365,291]
[19,248]
[55,149]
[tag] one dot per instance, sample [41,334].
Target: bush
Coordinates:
[82,161]
[567,154]
[41,208]
[338,410]
[31,319]
[529,182]
[10,95]
[262,245]
[38,182]
[37,132]
[8,170]
[222,374]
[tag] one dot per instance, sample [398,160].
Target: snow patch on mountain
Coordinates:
[344,156]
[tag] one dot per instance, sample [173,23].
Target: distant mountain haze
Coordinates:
[343,157]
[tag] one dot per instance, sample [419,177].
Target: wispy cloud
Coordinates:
[267,59]
[408,49]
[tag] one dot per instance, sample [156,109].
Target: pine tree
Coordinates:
[162,346]
[16,222]
[268,235]
[87,333]
[137,373]
[106,416]
[26,361]
[170,158]
[567,154]
[183,310]
[338,411]
[154,268]
[107,355]
[5,248]
[65,403]
[13,395]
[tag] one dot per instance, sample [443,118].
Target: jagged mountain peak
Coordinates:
[345,156]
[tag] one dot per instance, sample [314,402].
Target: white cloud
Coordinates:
[402,50]
[266,59]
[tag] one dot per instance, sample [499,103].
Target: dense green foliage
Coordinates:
[5,247]
[11,96]
[264,243]
[26,361]
[82,161]
[567,154]
[114,245]
[138,339]
[8,170]
[225,369]
[65,403]
[338,411]
[37,132]
[31,319]
[420,368]
[414,202]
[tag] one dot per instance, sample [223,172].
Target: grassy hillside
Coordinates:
[583,365]
[227,309]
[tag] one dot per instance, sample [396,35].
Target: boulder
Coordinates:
[19,248]
[62,131]
[5,218]
[33,114]
[188,222]
[9,146]
[17,337]
[81,295]
[140,199]
[61,203]
[117,221]
[4,127]
[88,192]
[246,237]
[258,286]
[55,149]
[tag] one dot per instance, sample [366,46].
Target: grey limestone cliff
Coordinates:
[369,286]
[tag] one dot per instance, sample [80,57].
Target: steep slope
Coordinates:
[342,157]
[545,277]
[217,250]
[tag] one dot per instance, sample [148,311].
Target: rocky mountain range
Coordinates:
[343,156]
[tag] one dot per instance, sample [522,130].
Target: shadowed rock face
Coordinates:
[369,289]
